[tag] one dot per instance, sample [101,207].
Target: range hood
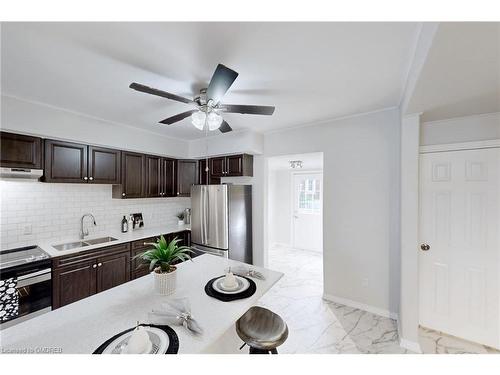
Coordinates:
[21,173]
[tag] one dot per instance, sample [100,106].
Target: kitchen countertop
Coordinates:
[84,325]
[131,235]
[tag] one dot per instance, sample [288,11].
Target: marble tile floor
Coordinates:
[319,326]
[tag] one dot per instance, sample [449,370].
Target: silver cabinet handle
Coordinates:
[99,264]
[94,266]
[123,194]
[85,178]
[145,243]
[91,178]
[425,247]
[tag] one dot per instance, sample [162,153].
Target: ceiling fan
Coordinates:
[208,108]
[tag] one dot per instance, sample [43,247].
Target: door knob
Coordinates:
[425,247]
[94,266]
[99,264]
[85,178]
[91,178]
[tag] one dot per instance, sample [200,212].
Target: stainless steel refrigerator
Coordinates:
[221,221]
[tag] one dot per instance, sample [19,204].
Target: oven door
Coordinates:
[34,292]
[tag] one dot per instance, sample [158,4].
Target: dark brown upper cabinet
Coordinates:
[75,162]
[187,176]
[168,180]
[65,162]
[217,166]
[104,165]
[133,176]
[153,176]
[20,151]
[231,166]
[205,178]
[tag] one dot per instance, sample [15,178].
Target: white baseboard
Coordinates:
[361,306]
[410,345]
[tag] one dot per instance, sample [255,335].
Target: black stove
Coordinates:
[21,256]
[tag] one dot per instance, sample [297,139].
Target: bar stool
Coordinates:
[262,330]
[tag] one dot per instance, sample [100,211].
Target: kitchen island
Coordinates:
[84,325]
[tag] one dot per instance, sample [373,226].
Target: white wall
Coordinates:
[361,180]
[230,143]
[462,129]
[53,211]
[408,311]
[280,211]
[35,119]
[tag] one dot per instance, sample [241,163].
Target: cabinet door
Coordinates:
[205,178]
[234,165]
[132,175]
[239,165]
[217,166]
[113,270]
[153,177]
[104,165]
[20,151]
[65,161]
[187,175]
[72,283]
[169,176]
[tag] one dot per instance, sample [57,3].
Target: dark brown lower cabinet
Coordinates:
[83,274]
[73,283]
[113,270]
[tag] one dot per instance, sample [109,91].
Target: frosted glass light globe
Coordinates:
[198,119]
[214,121]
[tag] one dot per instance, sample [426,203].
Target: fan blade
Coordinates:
[163,94]
[179,117]
[248,109]
[221,81]
[224,128]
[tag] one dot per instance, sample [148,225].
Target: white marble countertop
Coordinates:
[131,235]
[84,325]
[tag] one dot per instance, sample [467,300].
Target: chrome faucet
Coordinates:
[86,232]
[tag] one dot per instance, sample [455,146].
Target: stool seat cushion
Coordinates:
[261,328]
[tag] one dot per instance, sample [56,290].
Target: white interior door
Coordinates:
[459,220]
[307,222]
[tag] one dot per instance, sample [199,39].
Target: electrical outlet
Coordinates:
[364,282]
[27,229]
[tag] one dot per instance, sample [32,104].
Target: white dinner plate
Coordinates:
[159,342]
[243,284]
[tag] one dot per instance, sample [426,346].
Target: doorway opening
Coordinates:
[295,216]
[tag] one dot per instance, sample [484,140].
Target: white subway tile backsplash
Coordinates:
[54,211]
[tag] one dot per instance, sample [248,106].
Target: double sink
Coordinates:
[77,244]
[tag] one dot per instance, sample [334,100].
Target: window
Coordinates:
[309,195]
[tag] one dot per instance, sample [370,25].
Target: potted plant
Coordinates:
[161,260]
[180,216]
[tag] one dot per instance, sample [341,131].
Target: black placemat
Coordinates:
[173,339]
[230,297]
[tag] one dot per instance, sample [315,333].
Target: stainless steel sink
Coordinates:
[77,244]
[96,241]
[70,245]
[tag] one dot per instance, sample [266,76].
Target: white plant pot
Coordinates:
[165,282]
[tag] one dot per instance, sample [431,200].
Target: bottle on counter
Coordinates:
[124,225]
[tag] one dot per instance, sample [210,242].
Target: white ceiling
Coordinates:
[309,71]
[310,161]
[461,75]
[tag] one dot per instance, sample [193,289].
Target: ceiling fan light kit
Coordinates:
[207,103]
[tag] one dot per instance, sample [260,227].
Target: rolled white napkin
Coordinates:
[176,311]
